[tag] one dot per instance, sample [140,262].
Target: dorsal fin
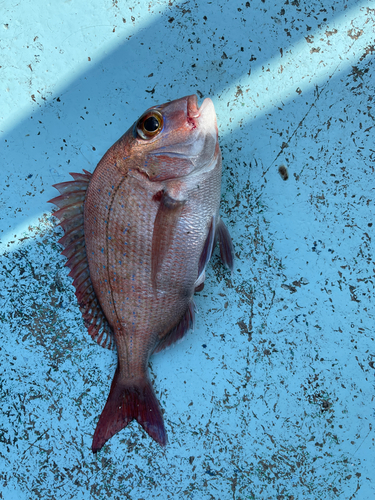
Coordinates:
[70,214]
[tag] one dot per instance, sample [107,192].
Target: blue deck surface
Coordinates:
[272,395]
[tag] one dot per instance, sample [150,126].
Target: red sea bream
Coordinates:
[138,234]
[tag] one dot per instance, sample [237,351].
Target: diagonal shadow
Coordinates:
[185,50]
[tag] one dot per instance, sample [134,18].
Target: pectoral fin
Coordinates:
[165,225]
[207,248]
[225,243]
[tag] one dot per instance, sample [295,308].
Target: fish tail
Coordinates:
[129,400]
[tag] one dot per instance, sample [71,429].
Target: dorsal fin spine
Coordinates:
[81,177]
[81,278]
[78,257]
[69,224]
[68,199]
[81,291]
[71,186]
[74,247]
[74,234]
[69,212]
[80,266]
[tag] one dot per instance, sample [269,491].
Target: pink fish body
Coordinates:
[139,233]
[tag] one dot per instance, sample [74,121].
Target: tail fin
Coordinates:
[127,401]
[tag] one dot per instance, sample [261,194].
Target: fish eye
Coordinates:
[149,125]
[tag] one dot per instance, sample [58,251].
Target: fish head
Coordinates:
[175,139]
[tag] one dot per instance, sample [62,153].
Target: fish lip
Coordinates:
[192,107]
[194,112]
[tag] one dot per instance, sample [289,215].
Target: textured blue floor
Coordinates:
[272,395]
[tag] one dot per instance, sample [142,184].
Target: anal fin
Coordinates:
[184,325]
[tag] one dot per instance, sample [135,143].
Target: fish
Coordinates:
[138,234]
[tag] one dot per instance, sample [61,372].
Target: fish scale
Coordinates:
[125,239]
[139,233]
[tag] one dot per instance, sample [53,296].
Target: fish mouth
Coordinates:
[198,144]
[201,116]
